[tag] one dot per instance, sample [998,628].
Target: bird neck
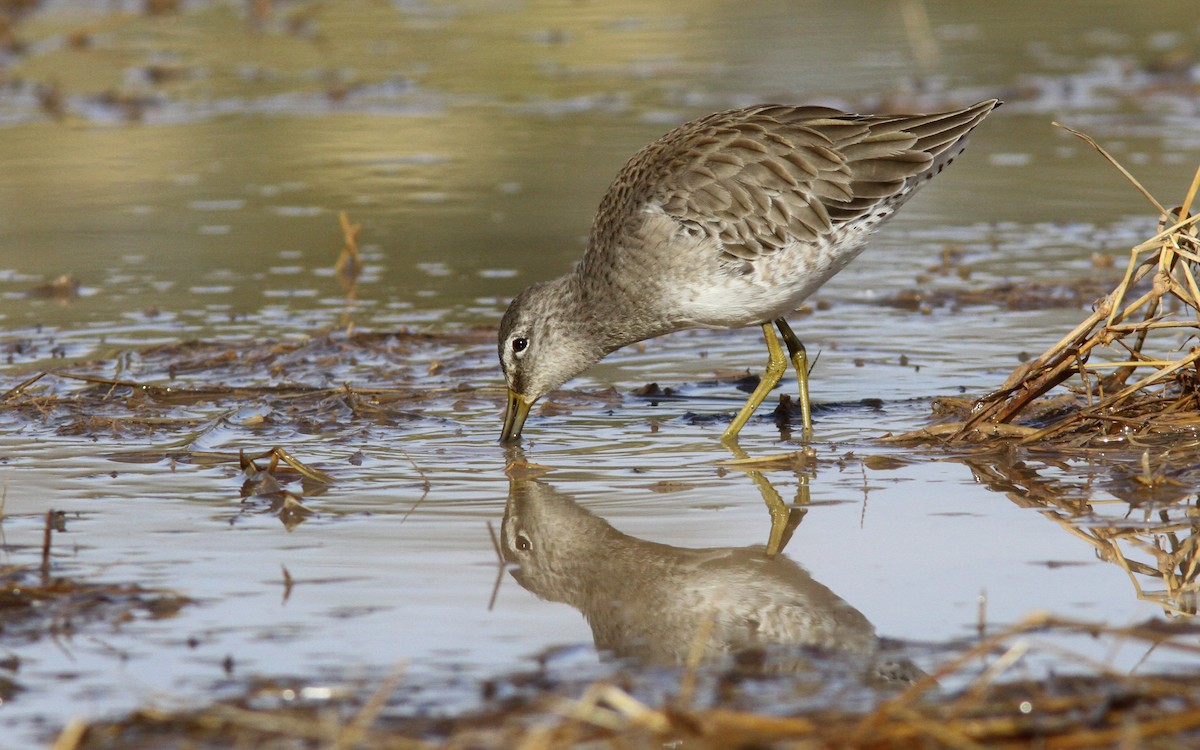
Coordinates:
[609,311]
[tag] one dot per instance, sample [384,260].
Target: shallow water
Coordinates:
[472,142]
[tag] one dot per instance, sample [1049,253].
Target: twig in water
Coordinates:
[502,565]
[356,730]
[288,582]
[47,533]
[425,486]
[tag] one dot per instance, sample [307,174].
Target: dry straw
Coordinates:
[1149,337]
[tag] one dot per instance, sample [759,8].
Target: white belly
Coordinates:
[770,287]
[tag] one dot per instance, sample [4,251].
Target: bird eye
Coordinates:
[519,345]
[523,544]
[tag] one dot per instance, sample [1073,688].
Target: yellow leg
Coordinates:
[800,361]
[784,518]
[776,364]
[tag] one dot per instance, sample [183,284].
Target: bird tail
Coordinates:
[943,135]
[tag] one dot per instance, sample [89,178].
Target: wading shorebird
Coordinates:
[727,221]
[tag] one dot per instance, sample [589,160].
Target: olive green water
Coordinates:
[188,170]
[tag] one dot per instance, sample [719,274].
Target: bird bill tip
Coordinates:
[514,417]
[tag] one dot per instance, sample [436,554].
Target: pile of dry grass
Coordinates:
[1156,337]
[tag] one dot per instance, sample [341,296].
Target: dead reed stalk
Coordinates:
[1156,336]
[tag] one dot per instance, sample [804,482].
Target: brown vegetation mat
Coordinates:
[300,385]
[1097,710]
[34,604]
[198,402]
[1027,294]
[1154,336]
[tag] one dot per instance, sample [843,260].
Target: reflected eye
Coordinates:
[519,345]
[523,544]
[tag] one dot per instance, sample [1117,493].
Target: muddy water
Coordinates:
[191,182]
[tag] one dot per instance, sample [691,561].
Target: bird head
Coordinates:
[544,341]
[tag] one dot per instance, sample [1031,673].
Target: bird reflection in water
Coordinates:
[663,605]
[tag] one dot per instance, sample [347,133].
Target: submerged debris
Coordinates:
[36,605]
[274,388]
[265,485]
[1033,294]
[33,606]
[64,289]
[209,402]
[255,476]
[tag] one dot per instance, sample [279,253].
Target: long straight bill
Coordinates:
[514,417]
